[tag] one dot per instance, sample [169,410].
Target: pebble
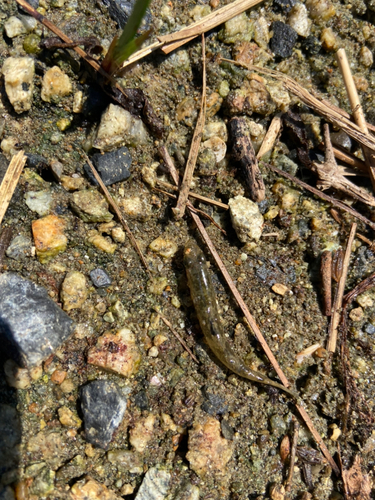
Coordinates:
[356,314]
[164,247]
[16,377]
[120,10]
[217,128]
[366,57]
[118,126]
[246,219]
[72,183]
[90,206]
[213,104]
[49,237]
[18,78]
[73,290]
[217,146]
[238,28]
[58,376]
[36,326]
[365,300]
[214,404]
[186,111]
[39,202]
[283,40]
[68,418]
[31,44]
[49,447]
[100,242]
[280,289]
[116,353]
[155,485]
[277,491]
[19,248]
[13,27]
[78,102]
[261,32]
[118,235]
[112,167]
[103,406]
[299,20]
[44,483]
[157,285]
[126,460]
[90,489]
[329,40]
[341,139]
[142,432]
[277,424]
[208,452]
[55,85]
[284,5]
[100,278]
[141,400]
[320,10]
[136,208]
[335,432]
[252,97]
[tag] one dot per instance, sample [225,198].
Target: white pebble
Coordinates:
[14,27]
[246,219]
[18,77]
[299,20]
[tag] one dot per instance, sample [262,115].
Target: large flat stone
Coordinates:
[32,326]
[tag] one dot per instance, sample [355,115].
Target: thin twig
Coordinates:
[323,196]
[288,482]
[199,197]
[179,210]
[357,110]
[270,137]
[116,209]
[326,277]
[336,311]
[10,181]
[350,160]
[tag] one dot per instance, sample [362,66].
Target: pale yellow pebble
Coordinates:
[175,302]
[272,213]
[101,243]
[159,339]
[356,314]
[335,432]
[280,289]
[118,235]
[68,418]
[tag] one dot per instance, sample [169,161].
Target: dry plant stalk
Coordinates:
[289,479]
[330,177]
[326,276]
[10,181]
[357,110]
[350,160]
[336,310]
[179,210]
[357,485]
[199,197]
[116,209]
[270,137]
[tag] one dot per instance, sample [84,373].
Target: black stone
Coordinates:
[227,430]
[120,10]
[95,103]
[214,404]
[103,406]
[141,400]
[311,45]
[32,326]
[284,5]
[36,161]
[283,40]
[112,167]
[100,278]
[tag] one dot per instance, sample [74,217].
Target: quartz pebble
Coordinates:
[320,10]
[39,202]
[238,28]
[36,326]
[14,27]
[298,19]
[100,278]
[19,248]
[90,489]
[329,40]
[20,378]
[118,126]
[142,432]
[55,85]
[73,290]
[49,237]
[103,406]
[116,353]
[112,167]
[217,146]
[137,208]
[280,289]
[155,485]
[18,78]
[217,128]
[90,206]
[164,247]
[246,219]
[366,57]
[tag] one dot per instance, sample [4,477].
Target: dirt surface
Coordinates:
[253,418]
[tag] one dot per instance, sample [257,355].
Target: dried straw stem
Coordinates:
[10,181]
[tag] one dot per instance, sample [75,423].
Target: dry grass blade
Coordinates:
[10,181]
[116,209]
[179,210]
[351,160]
[270,137]
[336,310]
[199,197]
[288,482]
[336,203]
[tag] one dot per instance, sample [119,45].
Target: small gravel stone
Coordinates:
[329,40]
[246,219]
[55,85]
[14,27]
[50,447]
[100,278]
[49,237]
[277,491]
[30,322]
[68,418]
[280,289]
[90,489]
[217,146]
[370,329]
[155,485]
[16,377]
[311,45]
[103,406]
[217,128]
[238,28]
[116,353]
[136,208]
[112,167]
[39,202]
[126,460]
[44,483]
[19,248]
[164,247]
[298,19]
[227,430]
[72,183]
[252,97]
[366,57]
[100,242]
[341,139]
[142,432]
[73,290]
[18,78]
[141,400]
[320,10]
[284,5]
[214,404]
[118,235]
[283,40]
[90,206]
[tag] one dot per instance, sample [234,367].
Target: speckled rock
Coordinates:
[100,278]
[117,127]
[31,324]
[142,432]
[299,20]
[90,206]
[19,248]
[68,418]
[217,128]
[44,483]
[13,27]
[112,167]
[126,460]
[72,183]
[117,353]
[49,446]
[49,237]
[55,85]
[252,97]
[283,40]
[164,247]
[284,5]
[246,219]
[136,208]
[103,406]
[90,489]
[18,78]
[208,452]
[217,146]
[10,436]
[39,201]
[155,485]
[73,290]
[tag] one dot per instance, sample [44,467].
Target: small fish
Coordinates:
[204,300]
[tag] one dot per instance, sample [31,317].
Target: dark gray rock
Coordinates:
[311,45]
[342,140]
[19,248]
[103,406]
[141,400]
[120,10]
[283,40]
[33,3]
[100,278]
[32,326]
[36,161]
[112,167]
[227,430]
[214,404]
[284,5]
